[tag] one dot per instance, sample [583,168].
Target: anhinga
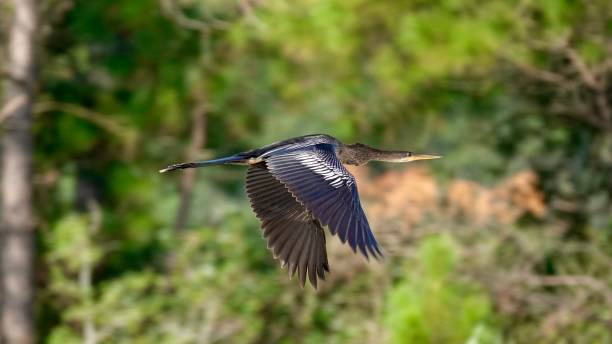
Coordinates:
[298,186]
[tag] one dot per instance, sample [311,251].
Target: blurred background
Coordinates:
[508,239]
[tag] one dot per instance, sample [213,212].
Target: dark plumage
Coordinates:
[299,186]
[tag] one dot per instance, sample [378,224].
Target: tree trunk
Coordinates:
[188,180]
[17,250]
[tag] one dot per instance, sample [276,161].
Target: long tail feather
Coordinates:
[220,161]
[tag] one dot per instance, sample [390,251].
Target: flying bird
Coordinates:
[299,186]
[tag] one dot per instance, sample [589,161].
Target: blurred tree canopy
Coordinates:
[496,87]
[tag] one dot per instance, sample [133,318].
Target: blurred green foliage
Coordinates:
[491,85]
[431,305]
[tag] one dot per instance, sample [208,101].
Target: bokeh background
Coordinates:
[507,239]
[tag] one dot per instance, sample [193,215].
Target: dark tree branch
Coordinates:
[171,9]
[579,91]
[128,135]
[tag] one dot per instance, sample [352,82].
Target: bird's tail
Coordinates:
[234,159]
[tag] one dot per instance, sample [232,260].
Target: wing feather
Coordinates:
[293,235]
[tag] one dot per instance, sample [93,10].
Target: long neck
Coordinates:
[389,156]
[359,154]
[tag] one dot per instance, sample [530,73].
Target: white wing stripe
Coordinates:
[324,168]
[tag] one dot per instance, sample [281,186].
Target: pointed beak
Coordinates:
[416,157]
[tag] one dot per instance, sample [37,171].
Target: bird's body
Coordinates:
[297,187]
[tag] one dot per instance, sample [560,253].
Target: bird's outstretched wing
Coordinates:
[293,235]
[319,181]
